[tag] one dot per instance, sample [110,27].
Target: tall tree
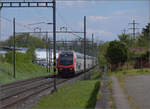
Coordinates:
[117,52]
[144,38]
[101,54]
[125,38]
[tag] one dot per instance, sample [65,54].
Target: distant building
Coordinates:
[41,58]
[3,52]
[134,49]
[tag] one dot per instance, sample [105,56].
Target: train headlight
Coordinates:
[70,69]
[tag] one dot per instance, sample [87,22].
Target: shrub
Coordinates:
[20,57]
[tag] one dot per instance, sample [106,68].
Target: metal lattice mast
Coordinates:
[133,28]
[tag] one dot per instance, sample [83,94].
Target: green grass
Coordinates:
[23,71]
[24,68]
[80,95]
[96,75]
[132,72]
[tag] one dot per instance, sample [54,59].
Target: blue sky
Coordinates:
[105,19]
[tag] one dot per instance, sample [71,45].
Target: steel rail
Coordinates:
[27,91]
[13,93]
[21,82]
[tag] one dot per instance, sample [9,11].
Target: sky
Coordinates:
[105,19]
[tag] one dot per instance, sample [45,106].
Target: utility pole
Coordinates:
[93,47]
[84,46]
[54,40]
[0,24]
[14,50]
[133,28]
[47,52]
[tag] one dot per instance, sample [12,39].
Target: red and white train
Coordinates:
[71,63]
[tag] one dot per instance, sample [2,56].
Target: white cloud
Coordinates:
[98,18]
[99,32]
[70,3]
[122,12]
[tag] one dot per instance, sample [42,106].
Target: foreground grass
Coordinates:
[80,95]
[23,71]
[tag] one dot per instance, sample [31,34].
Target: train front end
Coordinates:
[65,64]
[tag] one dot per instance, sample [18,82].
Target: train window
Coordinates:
[66,59]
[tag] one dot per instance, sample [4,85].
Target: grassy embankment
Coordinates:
[121,75]
[24,69]
[80,95]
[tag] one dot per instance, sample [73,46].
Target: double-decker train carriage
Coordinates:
[71,63]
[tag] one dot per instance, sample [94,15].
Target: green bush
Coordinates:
[20,57]
[9,57]
[1,58]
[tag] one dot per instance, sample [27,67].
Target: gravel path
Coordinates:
[103,103]
[138,88]
[120,99]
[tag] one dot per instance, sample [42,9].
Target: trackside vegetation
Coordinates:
[25,67]
[128,51]
[79,95]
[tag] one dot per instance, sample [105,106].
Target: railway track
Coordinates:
[15,92]
[21,90]
[21,82]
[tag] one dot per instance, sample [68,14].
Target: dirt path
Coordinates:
[120,99]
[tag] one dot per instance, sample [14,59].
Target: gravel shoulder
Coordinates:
[138,88]
[103,102]
[120,99]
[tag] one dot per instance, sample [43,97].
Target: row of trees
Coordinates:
[126,49]
[26,40]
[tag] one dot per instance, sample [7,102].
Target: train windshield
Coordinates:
[66,59]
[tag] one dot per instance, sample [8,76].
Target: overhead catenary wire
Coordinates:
[17,23]
[67,24]
[27,26]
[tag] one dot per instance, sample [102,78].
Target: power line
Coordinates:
[87,0]
[67,24]
[17,23]
[57,0]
